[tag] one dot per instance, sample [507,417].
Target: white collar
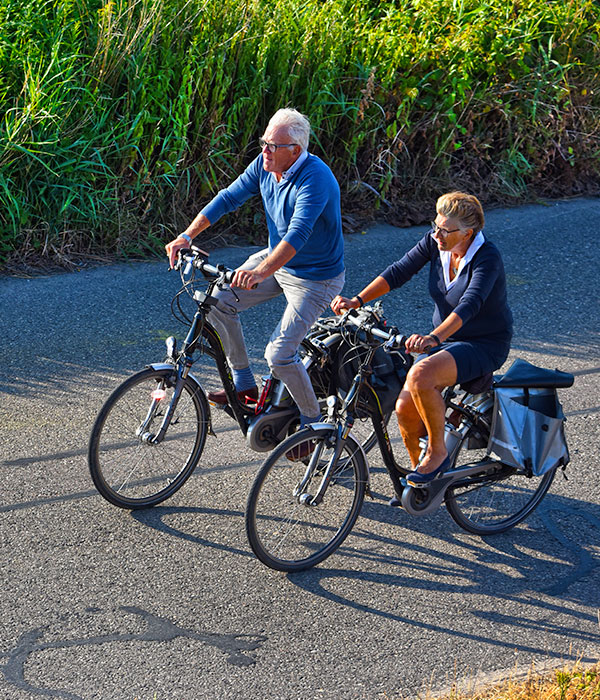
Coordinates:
[293,169]
[445,256]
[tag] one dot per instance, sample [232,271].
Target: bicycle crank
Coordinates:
[421,501]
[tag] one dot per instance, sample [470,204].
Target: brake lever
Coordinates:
[180,253]
[395,344]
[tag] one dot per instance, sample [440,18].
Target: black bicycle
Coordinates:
[149,435]
[298,513]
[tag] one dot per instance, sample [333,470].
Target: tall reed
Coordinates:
[120,117]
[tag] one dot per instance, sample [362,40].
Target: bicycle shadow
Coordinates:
[544,555]
[315,583]
[156,518]
[542,565]
[549,538]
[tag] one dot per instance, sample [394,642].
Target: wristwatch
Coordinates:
[187,238]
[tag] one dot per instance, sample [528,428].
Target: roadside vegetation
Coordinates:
[121,117]
[569,683]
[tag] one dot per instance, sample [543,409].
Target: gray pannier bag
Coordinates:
[528,421]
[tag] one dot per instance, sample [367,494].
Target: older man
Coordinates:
[304,259]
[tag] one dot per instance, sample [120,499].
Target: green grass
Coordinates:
[121,118]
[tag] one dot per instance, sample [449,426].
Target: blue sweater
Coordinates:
[303,210]
[478,294]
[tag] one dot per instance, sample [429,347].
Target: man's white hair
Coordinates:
[297,125]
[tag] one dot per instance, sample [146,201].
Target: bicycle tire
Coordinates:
[286,533]
[494,501]
[131,473]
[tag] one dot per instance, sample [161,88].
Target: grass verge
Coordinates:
[570,682]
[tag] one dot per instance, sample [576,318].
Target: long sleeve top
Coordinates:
[303,210]
[478,295]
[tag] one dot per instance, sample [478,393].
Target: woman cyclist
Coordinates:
[472,323]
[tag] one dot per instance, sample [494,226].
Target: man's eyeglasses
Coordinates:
[443,232]
[272,147]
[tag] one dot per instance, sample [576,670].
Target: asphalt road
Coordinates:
[170,604]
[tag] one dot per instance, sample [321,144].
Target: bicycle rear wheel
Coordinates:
[285,531]
[495,500]
[131,472]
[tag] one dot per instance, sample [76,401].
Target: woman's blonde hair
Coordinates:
[465,208]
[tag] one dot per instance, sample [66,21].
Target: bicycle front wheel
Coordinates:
[131,471]
[495,500]
[286,530]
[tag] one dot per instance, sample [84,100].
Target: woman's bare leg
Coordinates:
[411,426]
[424,383]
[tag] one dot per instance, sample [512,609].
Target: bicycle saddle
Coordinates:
[523,374]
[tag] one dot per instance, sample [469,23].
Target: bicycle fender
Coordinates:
[359,447]
[159,366]
[321,426]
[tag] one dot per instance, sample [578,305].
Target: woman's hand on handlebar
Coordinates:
[419,343]
[341,304]
[175,246]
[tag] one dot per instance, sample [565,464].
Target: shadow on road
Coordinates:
[539,567]
[543,563]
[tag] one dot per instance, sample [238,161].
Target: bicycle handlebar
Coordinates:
[392,340]
[193,258]
[362,319]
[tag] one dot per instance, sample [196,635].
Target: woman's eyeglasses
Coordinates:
[443,232]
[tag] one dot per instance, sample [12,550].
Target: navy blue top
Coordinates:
[303,210]
[478,294]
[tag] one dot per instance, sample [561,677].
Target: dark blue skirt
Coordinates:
[474,358]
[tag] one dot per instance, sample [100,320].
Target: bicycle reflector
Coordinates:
[158,394]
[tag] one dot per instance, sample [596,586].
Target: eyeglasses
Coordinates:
[272,147]
[443,232]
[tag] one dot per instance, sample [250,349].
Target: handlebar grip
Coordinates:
[229,277]
[180,258]
[397,341]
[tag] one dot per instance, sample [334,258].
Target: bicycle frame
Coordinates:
[254,421]
[414,501]
[360,384]
[201,330]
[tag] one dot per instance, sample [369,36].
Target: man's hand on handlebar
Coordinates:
[247,279]
[174,247]
[341,304]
